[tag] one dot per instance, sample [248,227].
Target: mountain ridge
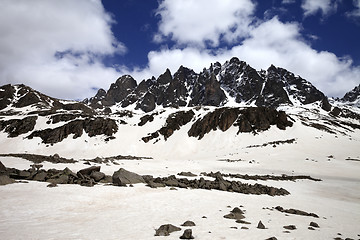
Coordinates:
[235,81]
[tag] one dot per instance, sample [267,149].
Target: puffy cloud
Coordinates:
[356,12]
[56,46]
[311,7]
[204,21]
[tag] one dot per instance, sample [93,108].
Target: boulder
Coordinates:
[187,234]
[4,180]
[89,170]
[97,176]
[314,224]
[40,176]
[2,167]
[260,225]
[166,229]
[188,224]
[123,177]
[290,227]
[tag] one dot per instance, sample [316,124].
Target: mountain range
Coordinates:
[219,97]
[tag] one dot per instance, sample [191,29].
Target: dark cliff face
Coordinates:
[352,95]
[212,87]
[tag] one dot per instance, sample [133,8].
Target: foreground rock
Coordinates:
[187,234]
[218,184]
[166,229]
[85,177]
[123,177]
[296,212]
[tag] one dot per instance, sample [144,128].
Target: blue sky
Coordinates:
[70,48]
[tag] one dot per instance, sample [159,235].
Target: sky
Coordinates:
[70,48]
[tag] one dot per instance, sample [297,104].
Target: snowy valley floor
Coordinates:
[33,211]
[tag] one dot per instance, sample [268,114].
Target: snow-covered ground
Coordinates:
[33,211]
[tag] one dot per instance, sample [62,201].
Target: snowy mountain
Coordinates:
[297,156]
[234,81]
[352,97]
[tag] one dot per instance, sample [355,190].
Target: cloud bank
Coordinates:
[56,47]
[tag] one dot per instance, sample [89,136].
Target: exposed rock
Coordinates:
[248,120]
[188,224]
[88,171]
[2,168]
[173,123]
[4,180]
[296,212]
[187,174]
[272,238]
[51,185]
[123,177]
[92,127]
[314,224]
[290,227]
[97,176]
[16,127]
[187,234]
[39,158]
[236,213]
[40,176]
[260,225]
[166,229]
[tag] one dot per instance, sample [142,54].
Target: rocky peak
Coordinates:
[353,96]
[212,87]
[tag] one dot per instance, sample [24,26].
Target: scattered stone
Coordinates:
[2,168]
[188,224]
[234,227]
[123,177]
[244,228]
[172,188]
[51,185]
[187,174]
[296,212]
[4,180]
[272,238]
[97,176]
[260,225]
[187,234]
[242,222]
[236,213]
[166,229]
[314,224]
[204,216]
[89,170]
[290,227]
[311,228]
[286,231]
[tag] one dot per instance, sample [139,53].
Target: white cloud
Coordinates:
[33,33]
[200,21]
[271,42]
[356,12]
[288,1]
[311,7]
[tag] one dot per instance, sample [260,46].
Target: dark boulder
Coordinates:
[260,225]
[188,224]
[123,177]
[89,170]
[97,176]
[4,180]
[166,229]
[187,234]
